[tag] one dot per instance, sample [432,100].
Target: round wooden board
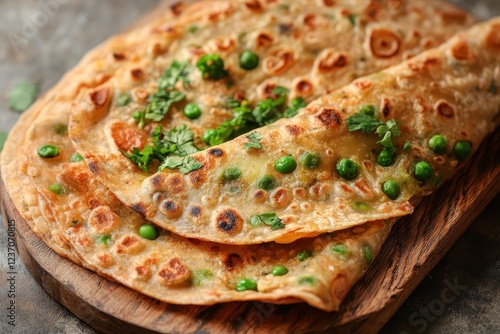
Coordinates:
[415,246]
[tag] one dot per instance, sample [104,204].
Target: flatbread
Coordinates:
[363,37]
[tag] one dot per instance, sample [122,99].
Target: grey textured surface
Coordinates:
[37,43]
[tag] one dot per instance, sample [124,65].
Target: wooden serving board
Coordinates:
[415,246]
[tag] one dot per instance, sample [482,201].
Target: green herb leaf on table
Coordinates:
[22,96]
[3,138]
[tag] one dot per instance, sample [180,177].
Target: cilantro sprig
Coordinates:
[246,119]
[212,67]
[366,122]
[166,95]
[254,142]
[169,148]
[269,219]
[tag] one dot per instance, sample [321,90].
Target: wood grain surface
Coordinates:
[415,246]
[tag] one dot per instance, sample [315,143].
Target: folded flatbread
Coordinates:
[220,196]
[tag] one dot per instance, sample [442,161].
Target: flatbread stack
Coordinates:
[222,153]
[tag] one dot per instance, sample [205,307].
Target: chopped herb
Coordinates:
[183,164]
[74,222]
[160,104]
[269,219]
[437,179]
[407,146]
[353,19]
[104,240]
[361,206]
[192,29]
[365,121]
[178,141]
[22,96]
[232,103]
[294,107]
[140,118]
[231,174]
[199,276]
[304,255]
[254,142]
[280,90]
[3,138]
[367,254]
[284,6]
[212,67]
[177,71]
[61,129]
[123,99]
[307,280]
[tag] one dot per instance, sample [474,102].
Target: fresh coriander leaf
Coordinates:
[293,109]
[142,158]
[280,91]
[353,19]
[362,122]
[212,67]
[192,29]
[140,118]
[22,96]
[232,103]
[269,219]
[104,240]
[407,146]
[3,138]
[254,142]
[386,141]
[368,110]
[61,129]
[160,104]
[123,99]
[176,71]
[183,164]
[182,138]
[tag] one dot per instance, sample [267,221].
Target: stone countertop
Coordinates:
[38,44]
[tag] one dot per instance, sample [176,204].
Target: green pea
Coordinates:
[304,255]
[368,110]
[347,169]
[310,160]
[76,157]
[307,280]
[339,249]
[423,171]
[231,174]
[57,189]
[148,231]
[192,111]
[437,144]
[249,60]
[385,158]
[48,151]
[123,100]
[208,135]
[285,165]
[391,189]
[462,149]
[279,271]
[246,284]
[367,254]
[267,182]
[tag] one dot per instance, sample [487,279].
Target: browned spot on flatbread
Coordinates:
[329,117]
[340,286]
[364,187]
[281,198]
[143,272]
[171,208]
[177,8]
[228,220]
[320,191]
[363,84]
[94,168]
[331,61]
[279,61]
[103,220]
[100,96]
[384,43]
[125,137]
[75,178]
[259,196]
[175,184]
[452,16]
[386,108]
[129,244]
[345,188]
[461,51]
[139,208]
[140,94]
[232,261]
[263,40]
[493,39]
[174,272]
[93,203]
[195,211]
[157,181]
[105,260]
[118,56]
[137,74]
[253,5]
[313,21]
[294,130]
[224,44]
[373,11]
[327,3]
[304,87]
[216,152]
[445,109]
